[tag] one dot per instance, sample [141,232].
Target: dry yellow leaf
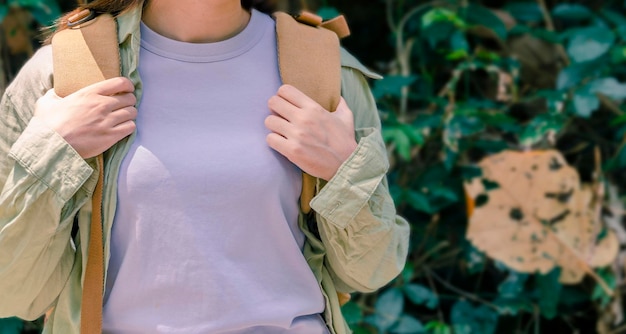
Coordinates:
[529,211]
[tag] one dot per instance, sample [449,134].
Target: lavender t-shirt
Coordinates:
[205,237]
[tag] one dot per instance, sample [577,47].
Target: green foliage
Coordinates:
[11,326]
[464,81]
[44,11]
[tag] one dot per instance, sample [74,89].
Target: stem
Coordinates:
[459,291]
[434,289]
[537,320]
[431,251]
[550,27]
[390,20]
[403,54]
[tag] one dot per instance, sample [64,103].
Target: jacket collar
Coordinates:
[128,23]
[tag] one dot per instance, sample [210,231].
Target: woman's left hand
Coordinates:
[314,139]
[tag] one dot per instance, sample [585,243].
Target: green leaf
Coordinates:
[499,120]
[11,326]
[426,121]
[514,305]
[408,325]
[450,157]
[462,124]
[400,139]
[574,74]
[444,193]
[361,330]
[436,327]
[470,172]
[392,85]
[467,319]
[490,146]
[389,306]
[439,32]
[585,104]
[480,15]
[457,55]
[525,12]
[413,134]
[609,87]
[541,125]
[618,53]
[408,271]
[421,295]
[328,13]
[590,43]
[571,12]
[474,259]
[511,299]
[548,291]
[418,201]
[44,11]
[436,15]
[621,119]
[458,42]
[513,285]
[352,313]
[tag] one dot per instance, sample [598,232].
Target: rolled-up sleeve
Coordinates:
[366,241]
[43,183]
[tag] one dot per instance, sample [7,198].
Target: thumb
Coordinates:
[344,112]
[51,94]
[45,101]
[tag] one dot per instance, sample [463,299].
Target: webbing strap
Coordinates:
[309,59]
[93,285]
[83,55]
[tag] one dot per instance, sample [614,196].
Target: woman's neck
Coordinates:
[196,21]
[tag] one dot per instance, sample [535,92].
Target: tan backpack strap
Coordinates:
[309,59]
[85,53]
[93,284]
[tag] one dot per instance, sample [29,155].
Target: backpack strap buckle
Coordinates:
[80,17]
[338,24]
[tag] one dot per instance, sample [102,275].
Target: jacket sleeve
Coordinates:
[366,242]
[43,182]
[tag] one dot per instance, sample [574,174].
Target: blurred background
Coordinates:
[506,132]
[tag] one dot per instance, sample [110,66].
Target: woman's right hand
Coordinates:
[93,118]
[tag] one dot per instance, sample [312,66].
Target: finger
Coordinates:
[122,115]
[112,103]
[296,97]
[122,130]
[279,143]
[282,107]
[123,100]
[278,125]
[110,87]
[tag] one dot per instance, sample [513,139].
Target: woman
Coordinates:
[202,227]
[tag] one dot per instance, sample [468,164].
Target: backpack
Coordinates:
[88,51]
